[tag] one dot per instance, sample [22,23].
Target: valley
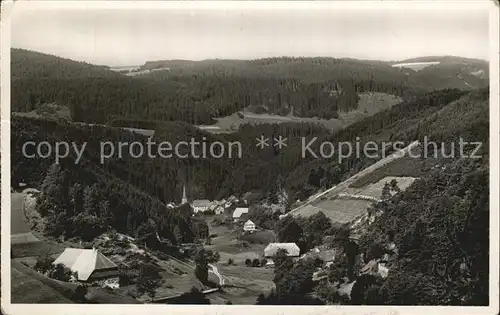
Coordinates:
[273,227]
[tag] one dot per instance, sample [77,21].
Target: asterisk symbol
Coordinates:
[262,142]
[280,142]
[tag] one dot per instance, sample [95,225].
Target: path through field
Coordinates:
[216,272]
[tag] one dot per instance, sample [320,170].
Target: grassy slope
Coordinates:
[467,118]
[28,286]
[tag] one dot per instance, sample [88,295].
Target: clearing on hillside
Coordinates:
[339,211]
[375,189]
[369,104]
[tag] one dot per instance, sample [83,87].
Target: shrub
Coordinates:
[201,273]
[263,262]
[248,262]
[44,263]
[60,272]
[80,293]
[256,263]
[230,262]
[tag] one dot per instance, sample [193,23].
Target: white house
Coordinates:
[238,212]
[201,205]
[91,266]
[249,226]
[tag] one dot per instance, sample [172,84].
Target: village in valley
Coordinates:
[243,238]
[248,157]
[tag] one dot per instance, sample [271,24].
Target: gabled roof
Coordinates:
[292,249]
[84,261]
[239,211]
[201,203]
[249,222]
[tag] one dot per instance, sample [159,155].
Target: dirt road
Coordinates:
[216,272]
[19,229]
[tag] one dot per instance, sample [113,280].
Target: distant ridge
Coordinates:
[445,58]
[27,64]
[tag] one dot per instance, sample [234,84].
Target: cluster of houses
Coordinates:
[92,267]
[215,206]
[220,207]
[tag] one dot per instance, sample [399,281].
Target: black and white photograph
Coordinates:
[223,155]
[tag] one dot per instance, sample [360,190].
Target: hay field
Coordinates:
[375,189]
[339,211]
[369,104]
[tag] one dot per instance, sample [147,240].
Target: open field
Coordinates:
[416,66]
[403,167]
[178,278]
[52,110]
[34,249]
[23,238]
[260,237]
[245,283]
[228,246]
[28,286]
[233,122]
[332,192]
[343,211]
[234,249]
[242,271]
[368,105]
[241,296]
[339,211]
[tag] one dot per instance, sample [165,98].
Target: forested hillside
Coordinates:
[35,65]
[427,245]
[143,185]
[450,72]
[441,229]
[439,224]
[196,92]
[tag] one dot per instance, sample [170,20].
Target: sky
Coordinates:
[125,37]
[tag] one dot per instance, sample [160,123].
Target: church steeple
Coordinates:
[184,198]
